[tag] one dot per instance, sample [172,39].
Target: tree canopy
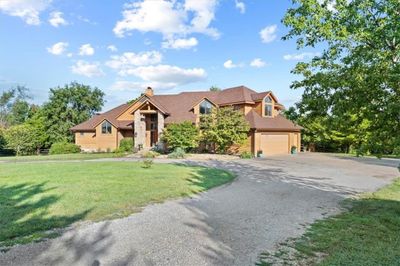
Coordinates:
[354,85]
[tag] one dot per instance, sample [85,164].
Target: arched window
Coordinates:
[106,127]
[205,107]
[268,106]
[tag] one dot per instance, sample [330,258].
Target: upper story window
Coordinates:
[268,106]
[205,107]
[106,127]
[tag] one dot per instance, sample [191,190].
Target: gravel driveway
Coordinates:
[271,200]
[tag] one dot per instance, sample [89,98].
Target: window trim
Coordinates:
[210,107]
[269,103]
[106,128]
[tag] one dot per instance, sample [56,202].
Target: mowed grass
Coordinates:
[368,233]
[59,157]
[37,197]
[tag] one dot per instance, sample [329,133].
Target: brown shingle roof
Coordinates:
[110,116]
[270,123]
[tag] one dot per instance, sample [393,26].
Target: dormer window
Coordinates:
[268,106]
[205,107]
[106,128]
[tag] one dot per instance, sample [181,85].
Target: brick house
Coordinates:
[145,119]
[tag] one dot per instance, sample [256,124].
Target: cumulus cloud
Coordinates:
[241,6]
[58,48]
[172,19]
[56,19]
[87,69]
[168,74]
[229,64]
[180,43]
[125,85]
[129,60]
[268,34]
[27,10]
[301,56]
[86,49]
[112,48]
[257,62]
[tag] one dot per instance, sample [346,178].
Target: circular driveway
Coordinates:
[271,200]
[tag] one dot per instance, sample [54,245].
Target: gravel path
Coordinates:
[271,200]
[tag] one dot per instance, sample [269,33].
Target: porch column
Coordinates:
[139,129]
[160,124]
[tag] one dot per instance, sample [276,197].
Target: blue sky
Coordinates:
[123,46]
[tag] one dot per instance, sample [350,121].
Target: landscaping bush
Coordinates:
[178,153]
[64,148]
[246,155]
[126,145]
[147,163]
[183,135]
[150,155]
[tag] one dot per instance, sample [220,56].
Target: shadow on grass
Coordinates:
[25,216]
[368,233]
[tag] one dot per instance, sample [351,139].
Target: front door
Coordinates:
[151,130]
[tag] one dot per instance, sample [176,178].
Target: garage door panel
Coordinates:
[274,144]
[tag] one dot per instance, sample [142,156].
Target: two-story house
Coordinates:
[145,119]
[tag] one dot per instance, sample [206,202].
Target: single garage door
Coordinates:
[275,144]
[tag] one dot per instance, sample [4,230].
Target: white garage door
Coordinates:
[274,144]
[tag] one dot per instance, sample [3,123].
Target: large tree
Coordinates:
[70,105]
[355,82]
[14,106]
[224,127]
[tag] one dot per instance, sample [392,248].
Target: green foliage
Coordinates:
[68,106]
[183,135]
[150,154]
[178,153]
[224,127]
[126,145]
[14,107]
[22,139]
[354,84]
[64,148]
[215,88]
[246,155]
[147,163]
[2,138]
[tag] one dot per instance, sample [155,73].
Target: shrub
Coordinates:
[178,153]
[246,155]
[147,163]
[64,148]
[126,145]
[22,139]
[150,154]
[183,135]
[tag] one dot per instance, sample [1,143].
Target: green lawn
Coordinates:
[35,197]
[59,157]
[367,234]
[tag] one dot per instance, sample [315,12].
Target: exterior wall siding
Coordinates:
[106,142]
[140,129]
[86,140]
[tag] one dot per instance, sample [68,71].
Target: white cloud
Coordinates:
[302,56]
[257,62]
[86,49]
[127,61]
[27,10]
[166,74]
[124,85]
[241,6]
[229,64]
[180,43]
[56,19]
[170,18]
[112,48]
[268,34]
[87,69]
[58,48]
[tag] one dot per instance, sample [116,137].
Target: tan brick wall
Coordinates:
[106,142]
[86,140]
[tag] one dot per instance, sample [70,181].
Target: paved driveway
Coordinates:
[271,200]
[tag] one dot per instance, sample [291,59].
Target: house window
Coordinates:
[106,128]
[268,106]
[205,107]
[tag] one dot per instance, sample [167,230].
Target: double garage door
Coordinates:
[274,143]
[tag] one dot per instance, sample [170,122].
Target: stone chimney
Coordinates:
[149,91]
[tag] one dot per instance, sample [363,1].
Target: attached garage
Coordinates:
[271,143]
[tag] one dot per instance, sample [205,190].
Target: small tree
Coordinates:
[22,139]
[215,88]
[183,135]
[224,127]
